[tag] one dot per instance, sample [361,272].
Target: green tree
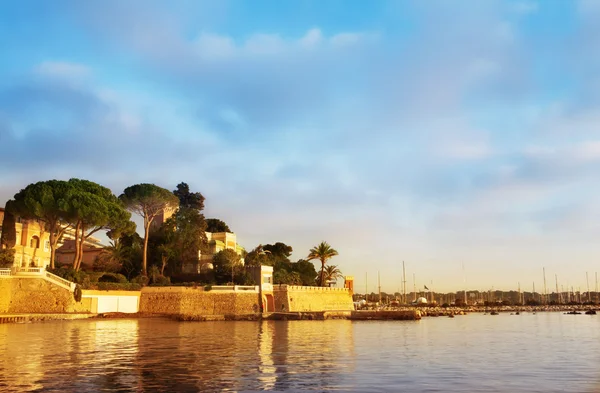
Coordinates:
[112,257]
[7,257]
[215,225]
[94,208]
[257,257]
[306,271]
[48,203]
[322,252]
[9,233]
[148,201]
[192,200]
[332,273]
[279,250]
[226,263]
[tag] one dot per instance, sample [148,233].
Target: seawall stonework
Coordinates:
[196,302]
[297,298]
[36,295]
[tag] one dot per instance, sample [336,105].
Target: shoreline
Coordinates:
[400,313]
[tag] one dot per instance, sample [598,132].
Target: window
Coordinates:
[47,246]
[35,242]
[266,279]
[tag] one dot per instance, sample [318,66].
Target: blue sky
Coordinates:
[434,132]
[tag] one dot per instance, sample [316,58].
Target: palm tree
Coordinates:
[111,258]
[332,273]
[322,252]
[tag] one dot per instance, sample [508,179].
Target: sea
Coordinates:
[542,352]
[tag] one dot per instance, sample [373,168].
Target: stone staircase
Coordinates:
[37,272]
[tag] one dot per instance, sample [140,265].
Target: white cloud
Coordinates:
[312,38]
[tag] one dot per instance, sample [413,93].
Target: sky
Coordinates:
[439,133]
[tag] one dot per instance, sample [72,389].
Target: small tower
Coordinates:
[349,284]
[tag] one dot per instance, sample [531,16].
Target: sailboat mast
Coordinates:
[545,289]
[404,282]
[414,288]
[379,285]
[366,287]
[587,280]
[465,283]
[557,293]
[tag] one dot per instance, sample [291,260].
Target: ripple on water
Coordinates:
[548,352]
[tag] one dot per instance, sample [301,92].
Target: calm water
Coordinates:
[548,352]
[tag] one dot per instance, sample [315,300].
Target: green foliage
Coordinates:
[161,281]
[258,257]
[70,274]
[7,257]
[306,271]
[278,250]
[112,277]
[148,201]
[140,280]
[322,252]
[9,233]
[49,203]
[187,199]
[77,293]
[113,286]
[215,225]
[285,277]
[111,258]
[332,273]
[179,239]
[227,264]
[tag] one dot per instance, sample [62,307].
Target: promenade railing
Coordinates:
[38,272]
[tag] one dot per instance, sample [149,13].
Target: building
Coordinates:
[65,254]
[217,241]
[32,247]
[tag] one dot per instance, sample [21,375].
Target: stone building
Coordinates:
[32,247]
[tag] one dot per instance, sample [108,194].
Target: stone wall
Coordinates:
[36,295]
[196,301]
[296,298]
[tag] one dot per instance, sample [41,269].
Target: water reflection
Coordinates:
[545,353]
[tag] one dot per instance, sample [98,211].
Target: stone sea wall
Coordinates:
[294,298]
[196,302]
[36,295]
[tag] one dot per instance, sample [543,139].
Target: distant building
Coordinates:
[65,254]
[217,241]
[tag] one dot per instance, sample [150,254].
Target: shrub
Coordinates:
[77,293]
[162,281]
[114,286]
[7,257]
[113,277]
[141,280]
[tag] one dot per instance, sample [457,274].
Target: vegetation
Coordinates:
[178,241]
[216,225]
[84,208]
[48,203]
[148,201]
[7,257]
[323,252]
[9,233]
[228,269]
[332,273]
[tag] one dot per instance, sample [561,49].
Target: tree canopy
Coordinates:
[323,252]
[148,201]
[215,225]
